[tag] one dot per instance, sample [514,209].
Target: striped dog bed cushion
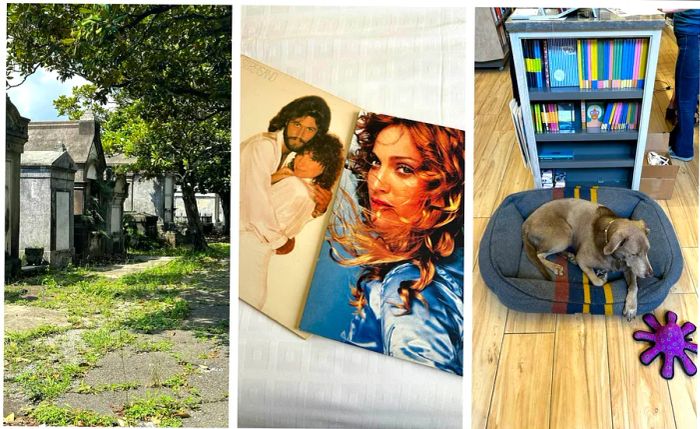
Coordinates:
[519,285]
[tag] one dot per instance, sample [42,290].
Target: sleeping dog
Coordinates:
[602,241]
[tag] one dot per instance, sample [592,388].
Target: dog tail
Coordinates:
[532,254]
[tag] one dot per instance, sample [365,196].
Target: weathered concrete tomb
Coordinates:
[148,196]
[46,186]
[98,195]
[15,139]
[209,206]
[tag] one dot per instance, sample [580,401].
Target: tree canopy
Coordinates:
[158,53]
[165,70]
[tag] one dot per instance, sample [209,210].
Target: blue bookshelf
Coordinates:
[604,158]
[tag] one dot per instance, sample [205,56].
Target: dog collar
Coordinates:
[606,230]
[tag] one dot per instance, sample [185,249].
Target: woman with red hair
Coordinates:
[408,239]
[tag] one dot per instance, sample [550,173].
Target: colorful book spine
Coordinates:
[643,65]
[594,64]
[538,64]
[589,59]
[623,60]
[546,63]
[616,71]
[625,63]
[588,63]
[579,59]
[611,58]
[637,58]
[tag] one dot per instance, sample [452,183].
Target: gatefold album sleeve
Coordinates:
[281,119]
[390,274]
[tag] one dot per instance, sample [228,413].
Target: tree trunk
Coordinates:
[226,205]
[194,226]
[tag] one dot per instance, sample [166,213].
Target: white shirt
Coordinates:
[293,204]
[260,155]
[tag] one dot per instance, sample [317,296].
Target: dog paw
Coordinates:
[571,257]
[630,311]
[558,269]
[597,281]
[602,275]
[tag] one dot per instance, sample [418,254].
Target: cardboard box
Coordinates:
[658,181]
[657,188]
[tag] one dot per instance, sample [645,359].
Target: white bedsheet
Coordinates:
[406,62]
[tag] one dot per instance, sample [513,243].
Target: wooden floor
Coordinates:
[571,371]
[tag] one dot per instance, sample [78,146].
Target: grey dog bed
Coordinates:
[519,285]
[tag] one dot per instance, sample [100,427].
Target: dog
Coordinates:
[601,241]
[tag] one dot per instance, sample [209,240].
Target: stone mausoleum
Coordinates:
[46,186]
[15,139]
[97,194]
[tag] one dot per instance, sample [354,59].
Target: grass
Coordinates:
[158,316]
[107,339]
[14,294]
[31,334]
[154,346]
[113,387]
[45,381]
[24,347]
[97,295]
[53,415]
[217,332]
[161,410]
[110,312]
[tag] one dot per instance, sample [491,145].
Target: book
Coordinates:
[545,66]
[330,196]
[594,112]
[517,117]
[550,154]
[555,117]
[563,67]
[620,116]
[586,63]
[566,117]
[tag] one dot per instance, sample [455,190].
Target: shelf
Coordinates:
[586,136]
[568,93]
[587,162]
[605,158]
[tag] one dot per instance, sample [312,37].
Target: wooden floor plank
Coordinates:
[523,383]
[683,208]
[686,284]
[580,385]
[516,178]
[505,118]
[639,396]
[480,224]
[682,387]
[521,323]
[487,336]
[483,131]
[690,259]
[488,172]
[491,92]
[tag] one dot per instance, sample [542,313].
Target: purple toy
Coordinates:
[669,340]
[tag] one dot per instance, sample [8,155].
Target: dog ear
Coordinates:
[615,241]
[643,226]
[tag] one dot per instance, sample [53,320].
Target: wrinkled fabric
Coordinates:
[431,334]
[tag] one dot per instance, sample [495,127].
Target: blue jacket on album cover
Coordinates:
[431,334]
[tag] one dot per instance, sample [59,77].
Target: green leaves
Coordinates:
[166,70]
